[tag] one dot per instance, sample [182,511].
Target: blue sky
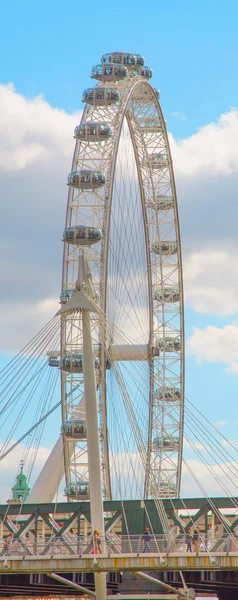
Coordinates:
[49,49]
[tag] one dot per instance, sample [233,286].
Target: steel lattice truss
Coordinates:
[137,115]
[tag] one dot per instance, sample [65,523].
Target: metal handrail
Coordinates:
[136,545]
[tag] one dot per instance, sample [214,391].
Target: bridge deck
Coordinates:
[123,562]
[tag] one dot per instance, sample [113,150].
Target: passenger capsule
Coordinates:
[109,72]
[53,361]
[163,202]
[140,60]
[165,248]
[168,393]
[168,489]
[121,58]
[168,443]
[93,132]
[167,295]
[73,363]
[146,72]
[77,490]
[75,429]
[100,96]
[82,236]
[66,295]
[86,179]
[158,161]
[169,344]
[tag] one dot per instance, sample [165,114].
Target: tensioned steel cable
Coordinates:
[2,456]
[211,441]
[212,425]
[22,353]
[29,363]
[35,379]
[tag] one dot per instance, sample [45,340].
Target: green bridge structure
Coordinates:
[50,549]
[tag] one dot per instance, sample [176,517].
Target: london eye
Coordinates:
[122,217]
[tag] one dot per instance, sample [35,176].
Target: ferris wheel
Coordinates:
[122,217]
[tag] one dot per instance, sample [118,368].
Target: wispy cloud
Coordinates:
[215,345]
[180,116]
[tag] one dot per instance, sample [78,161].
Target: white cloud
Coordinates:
[211,282]
[206,174]
[36,144]
[194,445]
[233,368]
[214,481]
[19,323]
[219,423]
[179,115]
[213,148]
[215,345]
[31,130]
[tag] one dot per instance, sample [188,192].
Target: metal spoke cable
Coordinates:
[29,363]
[22,353]
[33,379]
[129,228]
[2,456]
[137,489]
[30,387]
[41,405]
[130,413]
[24,407]
[120,439]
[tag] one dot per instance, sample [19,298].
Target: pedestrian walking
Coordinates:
[96,542]
[7,543]
[170,540]
[146,540]
[196,540]
[188,540]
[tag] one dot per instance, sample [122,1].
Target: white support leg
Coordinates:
[48,481]
[95,483]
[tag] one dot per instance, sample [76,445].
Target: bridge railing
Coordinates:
[111,544]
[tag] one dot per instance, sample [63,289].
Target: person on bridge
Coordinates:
[188,540]
[170,540]
[196,540]
[7,543]
[146,539]
[96,542]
